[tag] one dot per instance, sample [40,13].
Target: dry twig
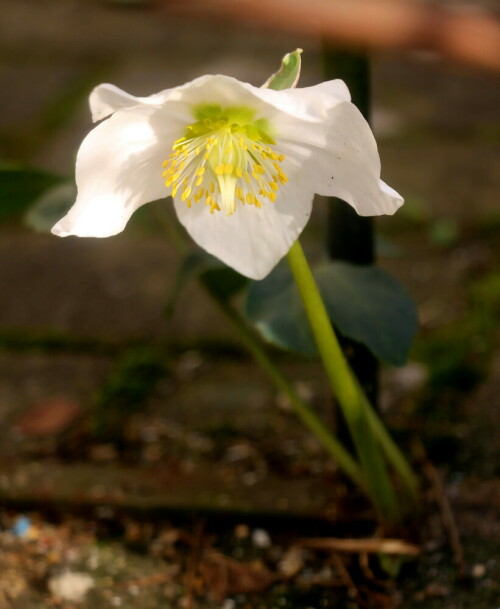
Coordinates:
[150,580]
[440,497]
[446,513]
[345,576]
[356,546]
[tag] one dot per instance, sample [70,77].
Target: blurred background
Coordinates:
[105,399]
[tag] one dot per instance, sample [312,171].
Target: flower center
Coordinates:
[224,156]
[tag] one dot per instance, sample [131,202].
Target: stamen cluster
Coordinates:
[224,157]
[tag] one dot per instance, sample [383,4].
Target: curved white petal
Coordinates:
[252,240]
[106,99]
[341,159]
[118,169]
[308,104]
[329,149]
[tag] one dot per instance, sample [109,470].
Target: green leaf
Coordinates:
[219,279]
[274,307]
[223,282]
[288,74]
[51,206]
[20,186]
[364,303]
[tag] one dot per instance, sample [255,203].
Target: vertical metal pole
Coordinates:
[351,237]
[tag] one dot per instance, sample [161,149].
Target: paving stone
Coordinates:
[118,286]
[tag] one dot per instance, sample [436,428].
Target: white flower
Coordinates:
[242,164]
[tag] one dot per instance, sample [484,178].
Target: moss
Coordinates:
[134,379]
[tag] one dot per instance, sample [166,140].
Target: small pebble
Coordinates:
[71,587]
[261,539]
[133,589]
[478,571]
[250,478]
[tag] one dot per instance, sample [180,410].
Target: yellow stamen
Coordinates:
[223,158]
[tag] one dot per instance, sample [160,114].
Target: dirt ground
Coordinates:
[145,460]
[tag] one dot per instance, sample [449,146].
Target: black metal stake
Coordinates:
[351,237]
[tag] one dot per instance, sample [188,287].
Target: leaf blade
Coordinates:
[365,304]
[20,186]
[288,75]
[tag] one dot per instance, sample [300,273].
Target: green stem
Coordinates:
[346,388]
[312,422]
[393,454]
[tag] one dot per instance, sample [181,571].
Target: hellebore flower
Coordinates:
[242,164]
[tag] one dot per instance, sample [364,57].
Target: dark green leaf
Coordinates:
[273,305]
[51,206]
[219,279]
[364,303]
[19,187]
[223,282]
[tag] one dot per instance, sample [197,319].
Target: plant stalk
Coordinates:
[346,388]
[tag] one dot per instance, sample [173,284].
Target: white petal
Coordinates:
[341,160]
[106,99]
[118,169]
[252,240]
[308,103]
[329,149]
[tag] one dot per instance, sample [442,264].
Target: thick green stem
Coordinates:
[391,450]
[393,454]
[345,387]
